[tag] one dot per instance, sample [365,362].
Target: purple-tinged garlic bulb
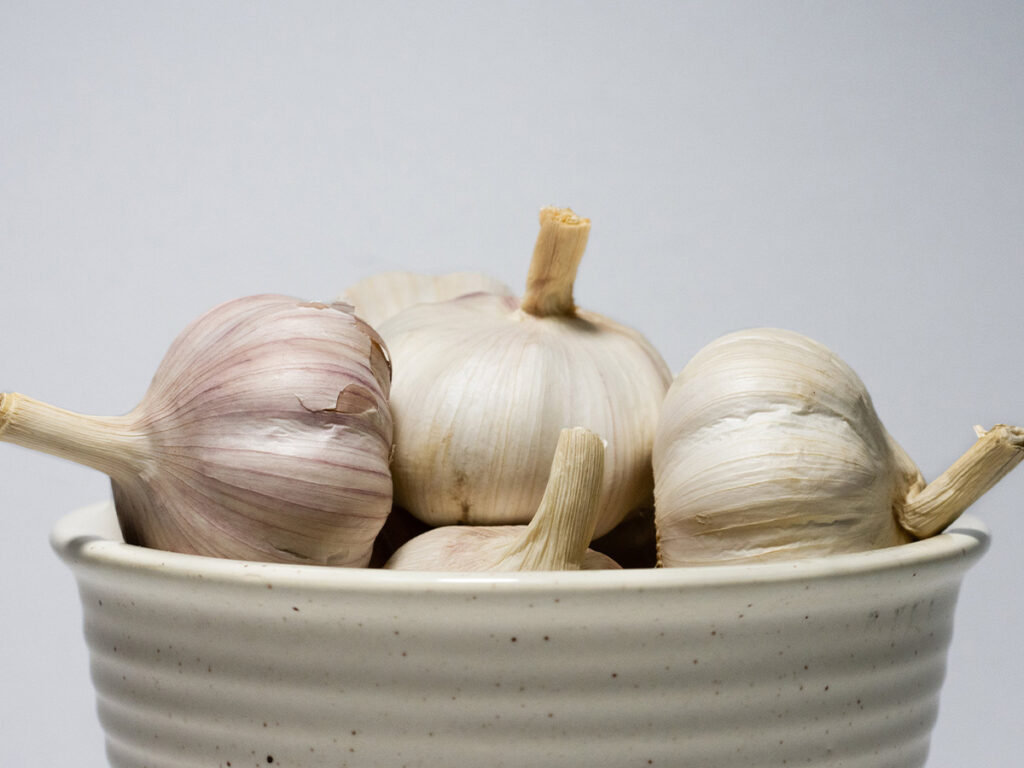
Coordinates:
[484,382]
[264,435]
[769,448]
[555,539]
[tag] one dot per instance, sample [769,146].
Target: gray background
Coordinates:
[851,171]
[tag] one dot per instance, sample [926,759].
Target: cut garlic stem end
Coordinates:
[559,533]
[106,444]
[556,256]
[943,500]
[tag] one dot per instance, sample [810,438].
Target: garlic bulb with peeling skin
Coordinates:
[769,448]
[555,539]
[483,384]
[380,296]
[264,435]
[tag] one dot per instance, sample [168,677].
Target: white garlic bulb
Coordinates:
[556,538]
[380,296]
[769,447]
[264,435]
[484,383]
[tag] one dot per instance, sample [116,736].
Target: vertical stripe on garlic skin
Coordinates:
[484,383]
[768,448]
[264,435]
[555,539]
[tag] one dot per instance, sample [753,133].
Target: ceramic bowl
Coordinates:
[833,661]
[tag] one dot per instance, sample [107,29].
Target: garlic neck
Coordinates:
[556,256]
[109,445]
[943,500]
[560,532]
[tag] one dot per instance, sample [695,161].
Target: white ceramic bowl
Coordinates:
[828,662]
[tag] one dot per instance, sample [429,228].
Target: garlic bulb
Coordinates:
[264,435]
[555,539]
[769,447]
[484,383]
[380,296]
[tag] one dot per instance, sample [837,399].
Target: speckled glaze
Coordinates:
[214,663]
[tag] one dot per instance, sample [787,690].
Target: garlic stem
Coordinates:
[943,500]
[556,255]
[557,537]
[107,444]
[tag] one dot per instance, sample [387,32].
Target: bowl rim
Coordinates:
[88,538]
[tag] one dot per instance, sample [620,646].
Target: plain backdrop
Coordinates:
[852,171]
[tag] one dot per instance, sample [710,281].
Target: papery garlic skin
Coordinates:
[264,435]
[379,297]
[473,548]
[768,447]
[482,387]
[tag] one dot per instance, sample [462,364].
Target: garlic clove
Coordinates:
[380,296]
[769,447]
[483,384]
[555,539]
[264,435]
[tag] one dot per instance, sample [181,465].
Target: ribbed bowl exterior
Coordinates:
[835,662]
